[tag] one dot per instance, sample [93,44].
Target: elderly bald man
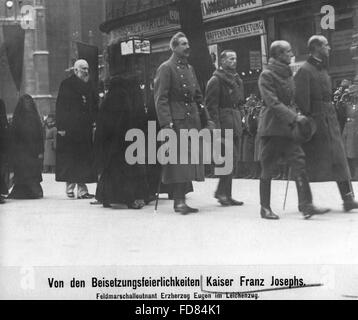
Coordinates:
[326,157]
[281,131]
[76,110]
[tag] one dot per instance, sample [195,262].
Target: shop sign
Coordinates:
[135,46]
[236,32]
[217,8]
[149,27]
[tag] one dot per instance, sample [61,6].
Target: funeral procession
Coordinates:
[180,133]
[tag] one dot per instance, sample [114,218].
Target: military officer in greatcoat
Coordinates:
[177,95]
[224,98]
[281,129]
[325,154]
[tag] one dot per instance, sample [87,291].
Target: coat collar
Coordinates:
[319,64]
[283,70]
[179,61]
[229,78]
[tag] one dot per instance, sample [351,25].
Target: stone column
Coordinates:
[29,79]
[42,97]
[75,29]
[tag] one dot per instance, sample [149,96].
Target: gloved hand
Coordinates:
[301,119]
[211,125]
[303,128]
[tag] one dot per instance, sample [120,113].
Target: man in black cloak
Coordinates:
[76,110]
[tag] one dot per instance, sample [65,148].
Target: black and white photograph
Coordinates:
[178,151]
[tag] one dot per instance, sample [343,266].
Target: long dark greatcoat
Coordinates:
[176,94]
[325,155]
[223,98]
[277,91]
[76,110]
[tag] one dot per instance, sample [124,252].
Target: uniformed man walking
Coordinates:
[224,97]
[326,157]
[281,129]
[177,95]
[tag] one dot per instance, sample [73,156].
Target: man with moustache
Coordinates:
[177,95]
[224,97]
[76,110]
[281,129]
[326,157]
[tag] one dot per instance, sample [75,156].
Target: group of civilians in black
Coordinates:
[90,140]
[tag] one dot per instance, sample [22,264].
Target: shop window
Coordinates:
[297,33]
[341,40]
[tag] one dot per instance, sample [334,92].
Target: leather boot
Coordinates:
[223,200]
[305,198]
[234,202]
[181,207]
[347,196]
[349,203]
[265,199]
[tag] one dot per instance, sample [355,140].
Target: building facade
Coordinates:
[49,45]
[248,27]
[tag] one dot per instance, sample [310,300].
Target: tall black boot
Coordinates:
[265,200]
[347,195]
[305,198]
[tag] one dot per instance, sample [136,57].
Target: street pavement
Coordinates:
[56,231]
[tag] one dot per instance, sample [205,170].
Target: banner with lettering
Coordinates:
[236,32]
[213,9]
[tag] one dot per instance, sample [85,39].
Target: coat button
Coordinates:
[188,113]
